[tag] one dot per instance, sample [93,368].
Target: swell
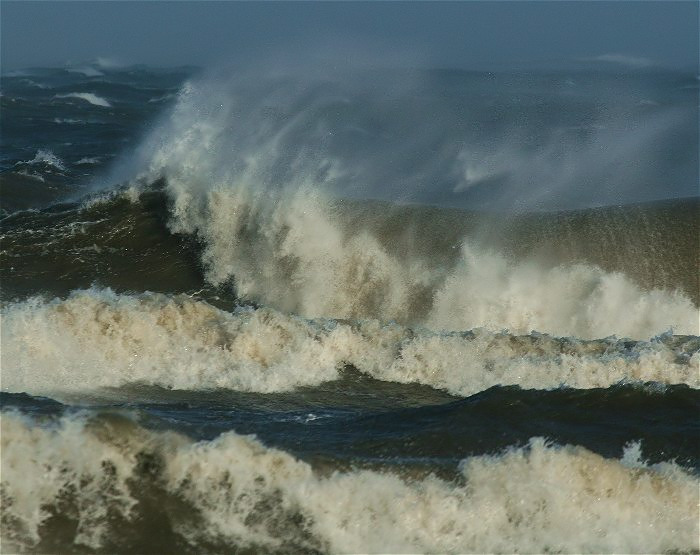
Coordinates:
[92,481]
[67,113]
[418,265]
[359,422]
[97,338]
[111,241]
[654,244]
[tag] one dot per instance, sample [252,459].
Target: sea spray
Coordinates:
[255,189]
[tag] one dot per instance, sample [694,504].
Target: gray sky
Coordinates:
[457,34]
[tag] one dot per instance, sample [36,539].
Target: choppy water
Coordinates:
[374,312]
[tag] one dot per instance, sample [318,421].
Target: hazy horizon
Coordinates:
[461,35]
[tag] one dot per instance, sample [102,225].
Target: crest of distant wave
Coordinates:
[251,178]
[105,339]
[90,98]
[99,472]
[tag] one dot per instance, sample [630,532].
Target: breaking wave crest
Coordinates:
[45,157]
[96,338]
[90,98]
[102,474]
[257,191]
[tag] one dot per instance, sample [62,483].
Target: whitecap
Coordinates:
[87,97]
[277,234]
[97,338]
[532,499]
[45,157]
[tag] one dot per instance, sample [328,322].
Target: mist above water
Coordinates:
[480,140]
[258,168]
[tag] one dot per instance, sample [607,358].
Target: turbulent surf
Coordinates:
[367,311]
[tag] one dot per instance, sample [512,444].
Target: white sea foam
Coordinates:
[260,210]
[45,157]
[486,290]
[97,338]
[286,252]
[87,97]
[540,498]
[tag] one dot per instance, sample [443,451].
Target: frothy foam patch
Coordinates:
[260,209]
[485,289]
[97,338]
[87,97]
[235,491]
[285,251]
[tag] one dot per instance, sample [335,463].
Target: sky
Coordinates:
[445,34]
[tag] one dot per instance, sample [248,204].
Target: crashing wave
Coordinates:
[103,473]
[253,185]
[97,338]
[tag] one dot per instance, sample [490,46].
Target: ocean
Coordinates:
[349,311]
